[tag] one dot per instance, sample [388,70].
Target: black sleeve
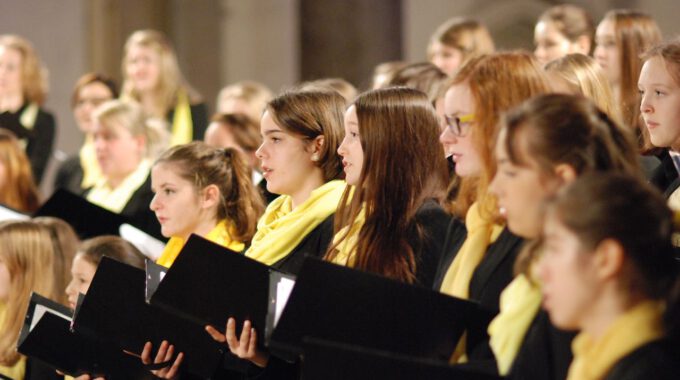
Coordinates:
[199,119]
[70,175]
[429,242]
[453,240]
[39,147]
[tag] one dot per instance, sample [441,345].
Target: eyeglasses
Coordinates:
[455,124]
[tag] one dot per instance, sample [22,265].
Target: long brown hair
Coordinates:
[469,36]
[497,83]
[402,168]
[571,21]
[202,165]
[20,191]
[635,33]
[27,250]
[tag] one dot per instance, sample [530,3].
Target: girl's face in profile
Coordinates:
[457,136]
[82,273]
[447,58]
[607,52]
[351,151]
[569,280]
[660,103]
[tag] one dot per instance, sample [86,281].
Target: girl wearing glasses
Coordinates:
[484,250]
[80,172]
[544,144]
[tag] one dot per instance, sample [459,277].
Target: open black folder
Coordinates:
[343,305]
[46,336]
[208,283]
[115,308]
[324,360]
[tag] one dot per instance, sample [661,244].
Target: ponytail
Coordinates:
[241,201]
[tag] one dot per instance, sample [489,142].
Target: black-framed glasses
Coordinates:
[455,124]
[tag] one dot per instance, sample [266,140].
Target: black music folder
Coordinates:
[324,360]
[115,308]
[87,219]
[209,283]
[343,305]
[46,336]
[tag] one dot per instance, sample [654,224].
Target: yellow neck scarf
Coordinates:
[481,233]
[115,199]
[348,245]
[220,234]
[18,369]
[519,303]
[92,173]
[27,119]
[182,125]
[281,228]
[593,359]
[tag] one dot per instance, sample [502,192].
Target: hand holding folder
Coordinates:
[115,308]
[46,336]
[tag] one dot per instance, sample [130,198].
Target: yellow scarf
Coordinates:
[18,370]
[593,359]
[182,125]
[27,120]
[348,246]
[220,234]
[115,199]
[519,303]
[281,228]
[92,173]
[481,233]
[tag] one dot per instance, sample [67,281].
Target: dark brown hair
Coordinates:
[309,114]
[203,165]
[558,129]
[402,168]
[90,78]
[601,206]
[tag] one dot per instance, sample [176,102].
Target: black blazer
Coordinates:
[314,244]
[545,353]
[665,176]
[199,120]
[39,139]
[70,175]
[492,275]
[658,360]
[427,237]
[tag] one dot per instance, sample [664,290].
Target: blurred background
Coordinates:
[276,42]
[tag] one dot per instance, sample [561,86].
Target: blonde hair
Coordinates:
[584,76]
[170,79]
[33,73]
[129,115]
[26,248]
[254,94]
[20,191]
[469,36]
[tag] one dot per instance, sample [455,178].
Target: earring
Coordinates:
[315,157]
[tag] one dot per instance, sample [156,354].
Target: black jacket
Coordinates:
[658,360]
